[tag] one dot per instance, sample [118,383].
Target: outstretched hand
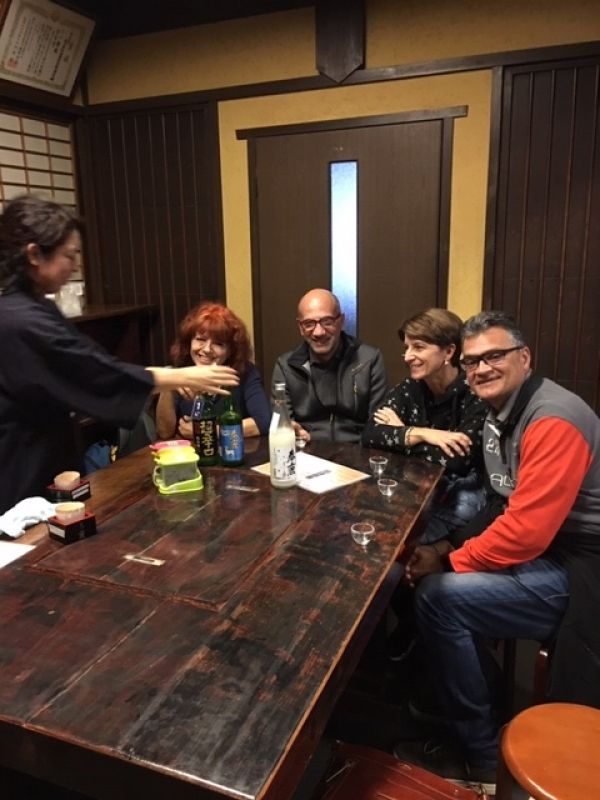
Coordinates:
[190,381]
[210,379]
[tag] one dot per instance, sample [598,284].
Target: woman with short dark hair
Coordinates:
[212,334]
[433,415]
[48,369]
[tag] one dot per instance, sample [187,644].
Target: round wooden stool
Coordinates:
[551,751]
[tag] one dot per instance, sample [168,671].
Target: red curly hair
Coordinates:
[215,321]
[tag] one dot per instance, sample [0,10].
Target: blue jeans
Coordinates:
[457,501]
[457,612]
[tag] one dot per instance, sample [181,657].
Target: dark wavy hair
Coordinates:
[31,220]
[437,326]
[218,322]
[482,322]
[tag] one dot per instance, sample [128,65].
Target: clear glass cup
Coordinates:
[378,465]
[362,532]
[387,486]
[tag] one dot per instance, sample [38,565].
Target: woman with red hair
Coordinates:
[212,334]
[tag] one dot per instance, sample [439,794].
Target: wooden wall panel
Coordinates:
[152,201]
[546,223]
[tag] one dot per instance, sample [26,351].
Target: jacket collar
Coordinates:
[523,395]
[300,357]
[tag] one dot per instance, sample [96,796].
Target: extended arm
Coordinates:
[210,379]
[66,370]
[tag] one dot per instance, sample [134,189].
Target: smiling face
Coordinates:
[50,272]
[424,359]
[496,383]
[205,351]
[319,306]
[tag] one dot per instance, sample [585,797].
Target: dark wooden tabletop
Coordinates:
[212,674]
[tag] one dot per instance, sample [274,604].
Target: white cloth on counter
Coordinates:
[25,514]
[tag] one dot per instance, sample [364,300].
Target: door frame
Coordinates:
[446,115]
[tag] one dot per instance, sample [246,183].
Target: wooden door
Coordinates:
[543,239]
[403,187]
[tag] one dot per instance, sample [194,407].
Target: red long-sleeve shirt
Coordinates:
[555,457]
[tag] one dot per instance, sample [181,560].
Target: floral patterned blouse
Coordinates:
[457,410]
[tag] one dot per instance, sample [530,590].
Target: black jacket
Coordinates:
[458,410]
[48,369]
[361,387]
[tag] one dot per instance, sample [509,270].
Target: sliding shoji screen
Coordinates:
[36,157]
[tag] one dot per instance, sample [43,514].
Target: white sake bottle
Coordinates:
[282,443]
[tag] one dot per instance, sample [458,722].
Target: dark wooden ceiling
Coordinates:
[132,17]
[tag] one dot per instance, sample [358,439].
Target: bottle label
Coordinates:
[205,438]
[283,463]
[197,407]
[231,443]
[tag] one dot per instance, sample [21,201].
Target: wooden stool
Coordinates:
[551,751]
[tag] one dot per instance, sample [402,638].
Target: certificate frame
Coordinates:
[43,44]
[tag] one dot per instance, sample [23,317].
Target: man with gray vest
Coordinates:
[528,566]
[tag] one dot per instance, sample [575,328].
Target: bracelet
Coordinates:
[407,434]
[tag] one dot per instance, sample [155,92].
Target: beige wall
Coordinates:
[265,48]
[278,46]
[425,29]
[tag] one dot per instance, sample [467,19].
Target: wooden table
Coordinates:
[212,675]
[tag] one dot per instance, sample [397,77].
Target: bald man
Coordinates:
[333,382]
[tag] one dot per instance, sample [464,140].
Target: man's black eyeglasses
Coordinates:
[308,325]
[492,359]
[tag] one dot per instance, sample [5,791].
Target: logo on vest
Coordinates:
[492,446]
[502,481]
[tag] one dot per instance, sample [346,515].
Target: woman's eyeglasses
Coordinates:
[492,359]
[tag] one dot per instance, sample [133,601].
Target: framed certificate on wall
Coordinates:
[42,44]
